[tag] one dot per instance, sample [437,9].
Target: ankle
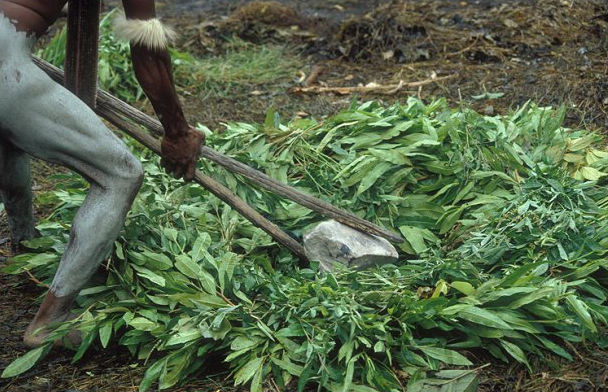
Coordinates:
[54,308]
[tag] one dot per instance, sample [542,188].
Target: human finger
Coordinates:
[189,175]
[179,171]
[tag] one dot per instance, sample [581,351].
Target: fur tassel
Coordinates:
[150,33]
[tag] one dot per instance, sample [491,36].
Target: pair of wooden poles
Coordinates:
[81,78]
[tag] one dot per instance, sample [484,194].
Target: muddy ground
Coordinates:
[503,53]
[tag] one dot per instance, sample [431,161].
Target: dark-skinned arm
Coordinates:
[152,65]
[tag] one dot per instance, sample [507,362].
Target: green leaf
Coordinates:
[151,276]
[580,143]
[256,383]
[247,371]
[288,366]
[378,171]
[592,174]
[350,372]
[483,317]
[87,339]
[581,310]
[186,266]
[105,332]
[554,347]
[142,324]
[446,356]
[157,261]
[464,192]
[464,287]
[516,352]
[152,374]
[466,383]
[183,337]
[534,296]
[481,175]
[449,219]
[25,362]
[414,236]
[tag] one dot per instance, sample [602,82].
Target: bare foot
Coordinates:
[52,311]
[16,246]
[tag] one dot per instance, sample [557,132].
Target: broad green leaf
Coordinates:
[440,288]
[414,236]
[466,383]
[446,356]
[247,371]
[184,336]
[378,171]
[483,317]
[348,376]
[152,374]
[580,143]
[87,340]
[582,311]
[516,352]
[592,174]
[242,342]
[142,324]
[256,383]
[448,220]
[464,287]
[186,266]
[557,349]
[151,276]
[464,192]
[25,362]
[533,296]
[288,366]
[105,332]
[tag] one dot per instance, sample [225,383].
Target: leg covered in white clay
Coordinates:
[16,193]
[45,120]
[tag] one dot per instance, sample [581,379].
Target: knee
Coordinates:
[131,172]
[135,172]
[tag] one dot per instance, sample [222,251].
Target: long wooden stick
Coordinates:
[113,104]
[219,190]
[82,48]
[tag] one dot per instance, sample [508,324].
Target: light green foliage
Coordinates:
[243,64]
[505,252]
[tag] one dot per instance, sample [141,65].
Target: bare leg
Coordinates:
[43,119]
[16,193]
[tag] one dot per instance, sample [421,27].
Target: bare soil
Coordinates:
[553,52]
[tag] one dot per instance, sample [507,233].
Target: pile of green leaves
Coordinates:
[505,221]
[506,242]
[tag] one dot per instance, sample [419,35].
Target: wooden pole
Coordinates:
[81,49]
[111,104]
[219,190]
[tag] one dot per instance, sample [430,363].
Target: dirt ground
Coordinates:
[553,52]
[492,54]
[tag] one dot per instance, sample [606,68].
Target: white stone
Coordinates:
[332,242]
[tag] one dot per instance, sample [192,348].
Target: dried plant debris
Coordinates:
[506,222]
[409,31]
[259,21]
[393,30]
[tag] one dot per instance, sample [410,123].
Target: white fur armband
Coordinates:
[150,33]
